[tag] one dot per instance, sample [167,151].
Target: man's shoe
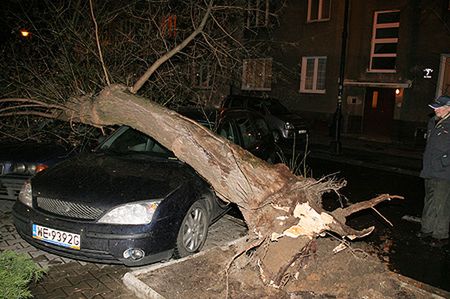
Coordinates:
[439,242]
[423,235]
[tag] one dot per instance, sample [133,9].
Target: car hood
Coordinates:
[30,152]
[292,118]
[105,180]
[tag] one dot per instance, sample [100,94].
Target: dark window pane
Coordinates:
[385,48]
[387,33]
[314,9]
[326,9]
[321,72]
[388,17]
[383,63]
[309,74]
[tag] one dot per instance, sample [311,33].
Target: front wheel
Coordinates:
[193,230]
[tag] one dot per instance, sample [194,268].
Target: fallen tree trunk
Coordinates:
[281,210]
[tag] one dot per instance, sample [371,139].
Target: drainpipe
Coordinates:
[336,143]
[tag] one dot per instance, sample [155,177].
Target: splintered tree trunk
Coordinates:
[281,210]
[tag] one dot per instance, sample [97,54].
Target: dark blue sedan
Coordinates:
[130,201]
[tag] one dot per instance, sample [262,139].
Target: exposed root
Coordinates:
[355,251]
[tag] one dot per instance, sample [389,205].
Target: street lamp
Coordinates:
[25,33]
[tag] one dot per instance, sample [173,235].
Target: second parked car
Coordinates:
[20,161]
[285,125]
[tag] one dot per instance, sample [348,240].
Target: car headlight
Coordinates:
[25,194]
[289,126]
[27,168]
[132,213]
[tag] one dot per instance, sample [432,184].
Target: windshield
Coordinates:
[275,107]
[128,140]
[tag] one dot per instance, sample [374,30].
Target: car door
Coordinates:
[249,130]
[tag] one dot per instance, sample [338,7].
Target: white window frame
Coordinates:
[261,17]
[375,41]
[314,88]
[254,80]
[442,71]
[320,18]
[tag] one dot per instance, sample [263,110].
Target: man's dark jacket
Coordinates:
[436,158]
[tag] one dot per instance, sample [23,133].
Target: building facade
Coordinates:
[397,60]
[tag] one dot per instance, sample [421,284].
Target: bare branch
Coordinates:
[31,101]
[98,44]
[29,113]
[140,82]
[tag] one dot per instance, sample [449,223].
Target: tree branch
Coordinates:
[140,82]
[98,44]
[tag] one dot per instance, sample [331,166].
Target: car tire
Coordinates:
[193,230]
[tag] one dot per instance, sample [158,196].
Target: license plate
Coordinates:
[57,237]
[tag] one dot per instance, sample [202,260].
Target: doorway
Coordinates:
[378,112]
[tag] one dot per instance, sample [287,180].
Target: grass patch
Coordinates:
[16,272]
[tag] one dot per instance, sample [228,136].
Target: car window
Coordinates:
[130,140]
[247,132]
[256,105]
[275,107]
[226,131]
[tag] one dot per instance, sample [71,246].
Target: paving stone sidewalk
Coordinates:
[68,278]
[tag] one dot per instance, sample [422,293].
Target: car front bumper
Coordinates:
[10,186]
[99,242]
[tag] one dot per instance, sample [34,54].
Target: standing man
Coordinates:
[436,172]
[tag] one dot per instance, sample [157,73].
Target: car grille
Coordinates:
[68,209]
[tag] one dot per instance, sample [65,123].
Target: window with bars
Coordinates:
[257,74]
[258,13]
[169,26]
[313,74]
[319,10]
[383,53]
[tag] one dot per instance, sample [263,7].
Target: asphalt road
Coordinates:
[404,252]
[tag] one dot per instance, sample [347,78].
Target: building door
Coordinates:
[378,112]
